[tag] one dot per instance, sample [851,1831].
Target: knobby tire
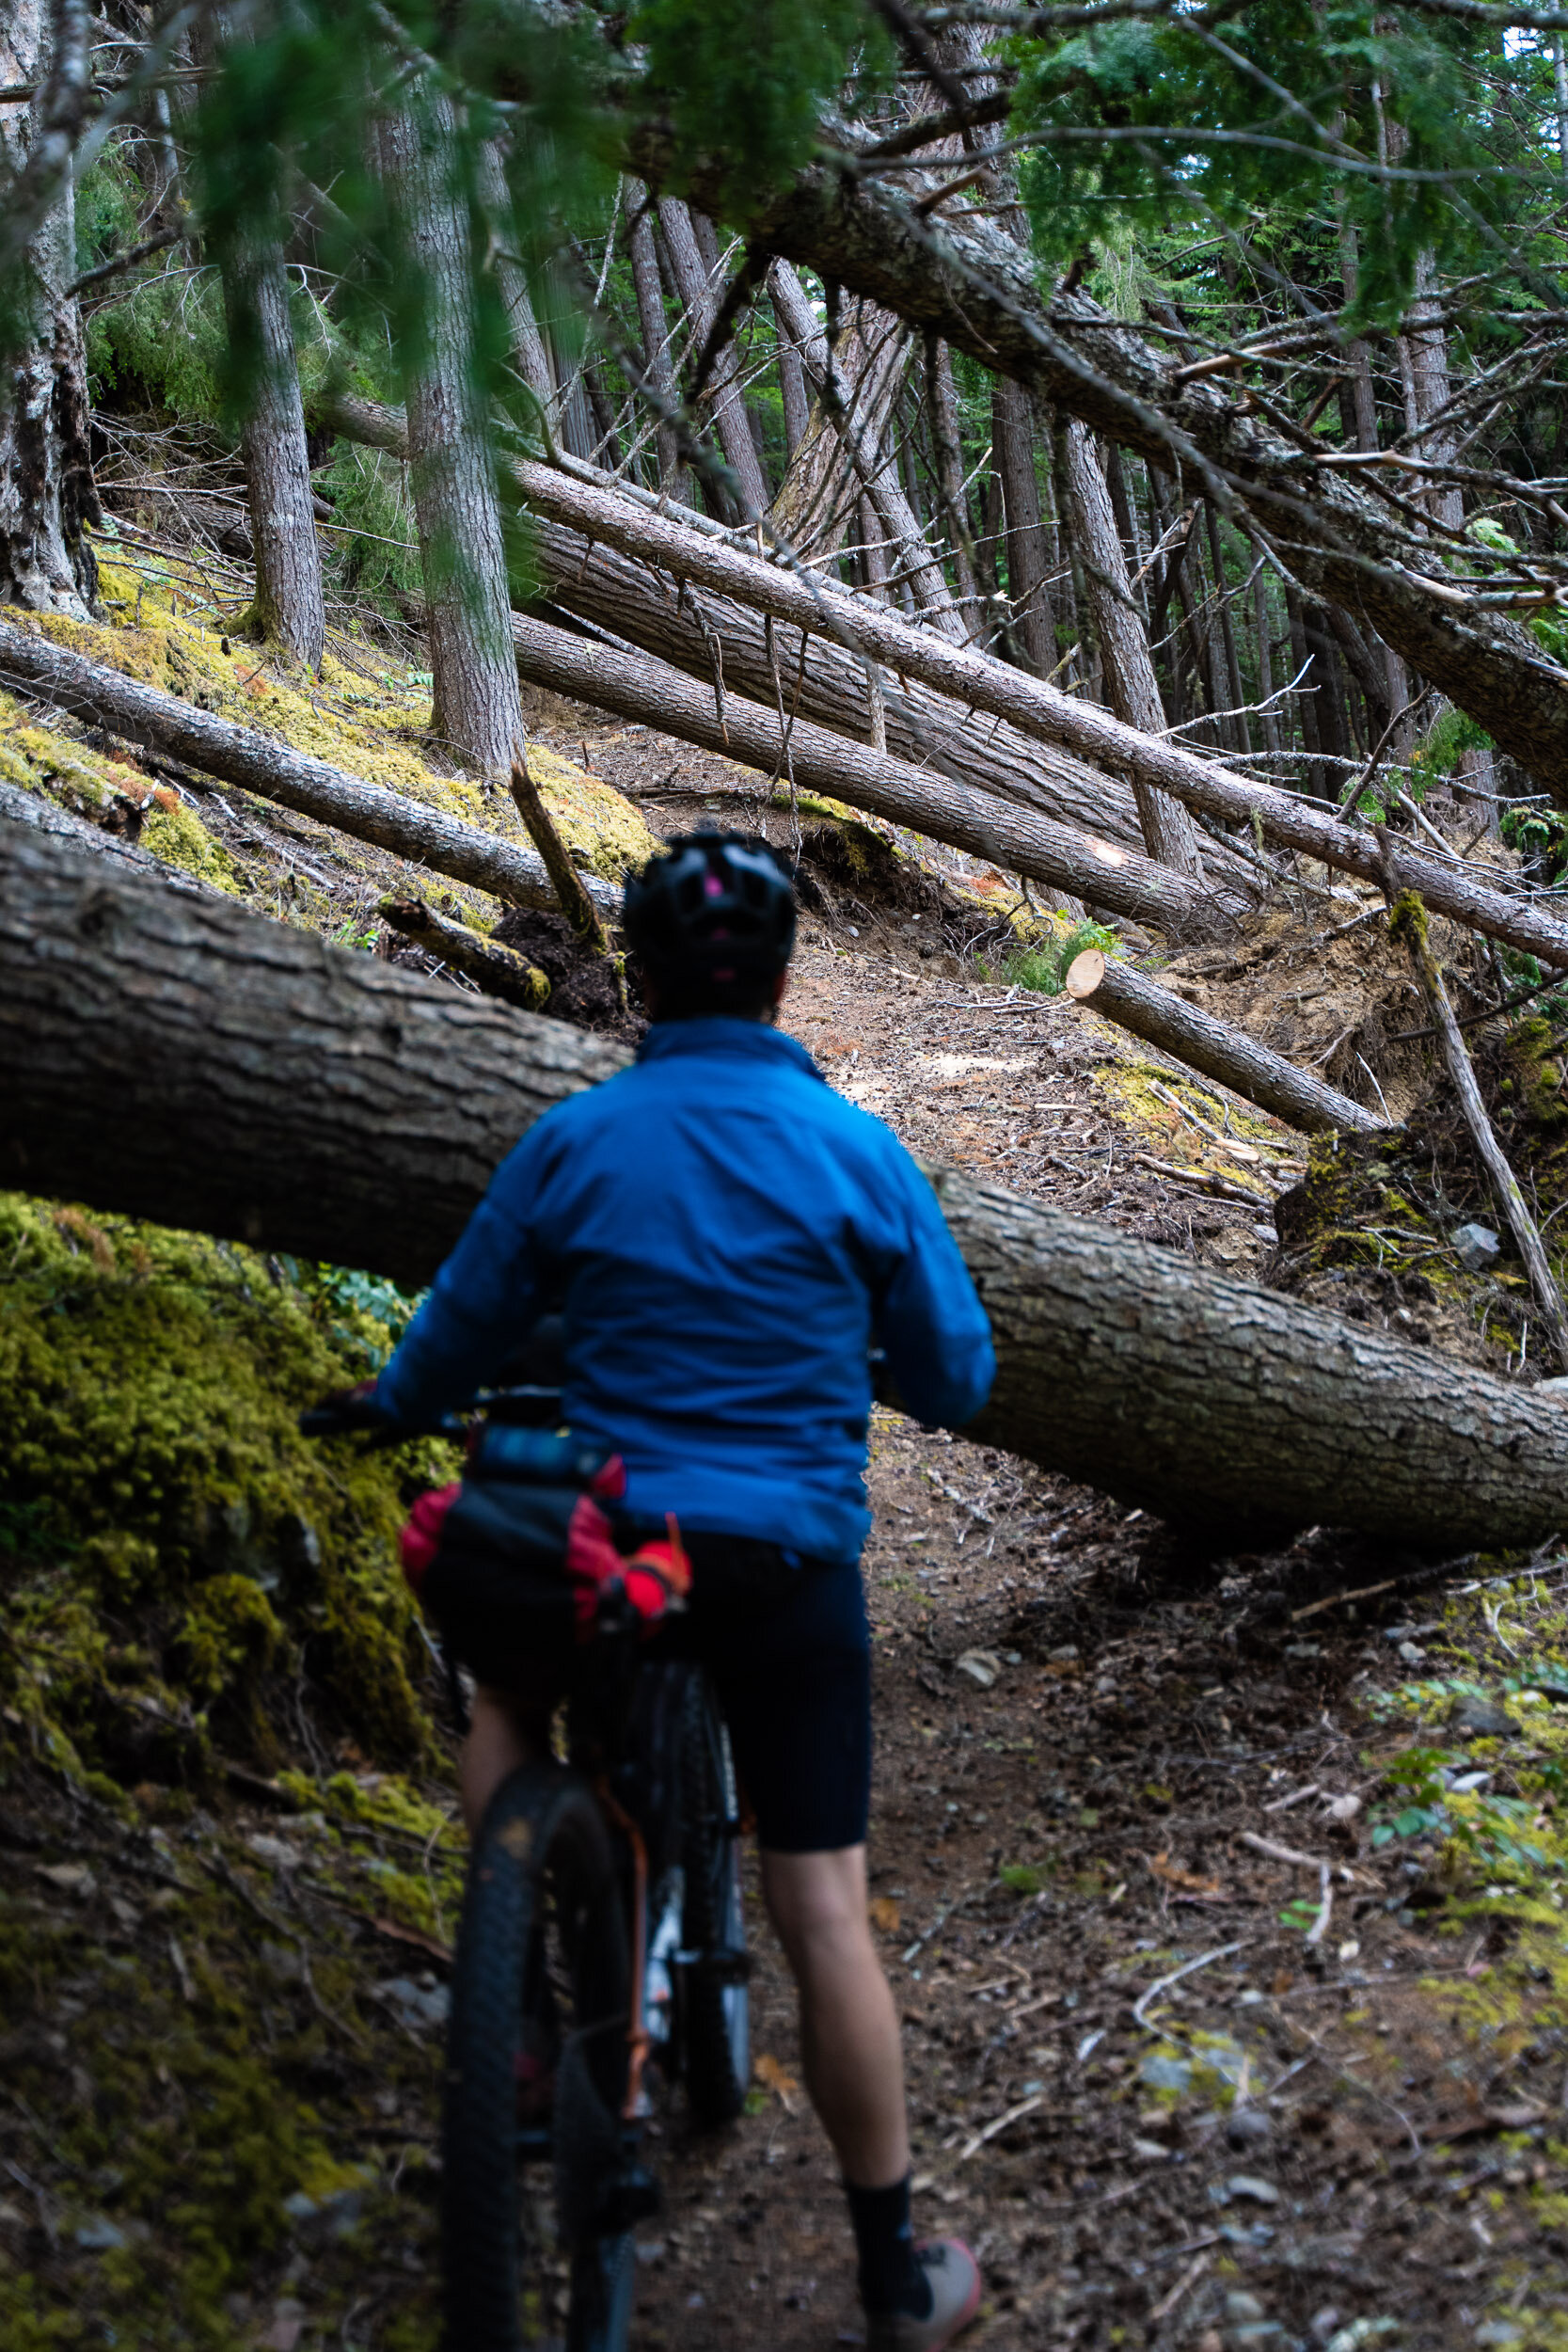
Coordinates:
[542,1866]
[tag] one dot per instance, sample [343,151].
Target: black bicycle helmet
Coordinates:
[711,907]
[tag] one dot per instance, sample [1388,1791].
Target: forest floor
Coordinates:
[1177,2089]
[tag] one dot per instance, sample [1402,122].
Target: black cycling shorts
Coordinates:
[787,1642]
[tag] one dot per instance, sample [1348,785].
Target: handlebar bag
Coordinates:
[527,1555]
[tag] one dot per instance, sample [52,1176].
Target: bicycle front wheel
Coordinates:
[537,2068]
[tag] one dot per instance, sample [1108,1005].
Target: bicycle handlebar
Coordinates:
[352,1413]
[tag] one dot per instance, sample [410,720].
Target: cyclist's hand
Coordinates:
[346,1410]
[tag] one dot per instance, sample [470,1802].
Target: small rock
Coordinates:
[1239,2307]
[275,1851]
[1476,1246]
[416,2005]
[1247,2185]
[72,1878]
[1342,1808]
[1482,1720]
[1248,2127]
[1152,2151]
[1065,1656]
[981,1665]
[1412,1653]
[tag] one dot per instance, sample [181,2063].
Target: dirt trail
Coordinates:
[1172,2099]
[1304,2134]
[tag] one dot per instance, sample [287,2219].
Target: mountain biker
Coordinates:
[726,1235]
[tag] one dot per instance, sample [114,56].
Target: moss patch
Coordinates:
[173,1547]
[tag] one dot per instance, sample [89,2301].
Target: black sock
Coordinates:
[891,2278]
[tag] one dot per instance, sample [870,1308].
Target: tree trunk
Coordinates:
[530,352]
[288,611]
[46,487]
[260,763]
[845,440]
[792,386]
[477,712]
[723,393]
[1168,831]
[971,283]
[179,1059]
[948,454]
[1196,1038]
[1034,626]
[674,480]
[1429,375]
[1235,696]
[1021,841]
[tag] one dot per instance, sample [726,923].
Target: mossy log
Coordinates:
[512,870]
[181,1058]
[1196,1038]
[492,966]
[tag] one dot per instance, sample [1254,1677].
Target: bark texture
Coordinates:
[183,1060]
[46,487]
[1021,841]
[1034,626]
[853,412]
[1168,831]
[723,394]
[1029,704]
[259,763]
[966,278]
[674,479]
[494,968]
[289,608]
[1196,1038]
[477,713]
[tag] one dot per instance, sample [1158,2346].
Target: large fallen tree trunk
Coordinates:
[609,562]
[695,551]
[274,771]
[1020,840]
[964,279]
[179,1059]
[1196,1038]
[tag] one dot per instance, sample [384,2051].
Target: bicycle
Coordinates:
[602,1931]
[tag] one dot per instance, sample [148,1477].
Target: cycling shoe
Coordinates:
[954,2277]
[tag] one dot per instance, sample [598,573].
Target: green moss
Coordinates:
[179,836]
[154,1473]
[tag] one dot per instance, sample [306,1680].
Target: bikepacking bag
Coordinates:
[528,1556]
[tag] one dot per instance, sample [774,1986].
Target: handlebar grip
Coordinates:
[338,1416]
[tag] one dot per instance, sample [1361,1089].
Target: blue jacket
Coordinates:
[725,1233]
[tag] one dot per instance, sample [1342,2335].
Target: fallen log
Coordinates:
[494,968]
[698,551]
[274,771]
[964,279]
[19,807]
[1020,840]
[1196,1038]
[1407,921]
[976,681]
[181,1058]
[609,562]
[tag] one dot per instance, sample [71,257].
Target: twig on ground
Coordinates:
[1188,1969]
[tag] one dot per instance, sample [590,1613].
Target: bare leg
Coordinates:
[849,2025]
[501,1736]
